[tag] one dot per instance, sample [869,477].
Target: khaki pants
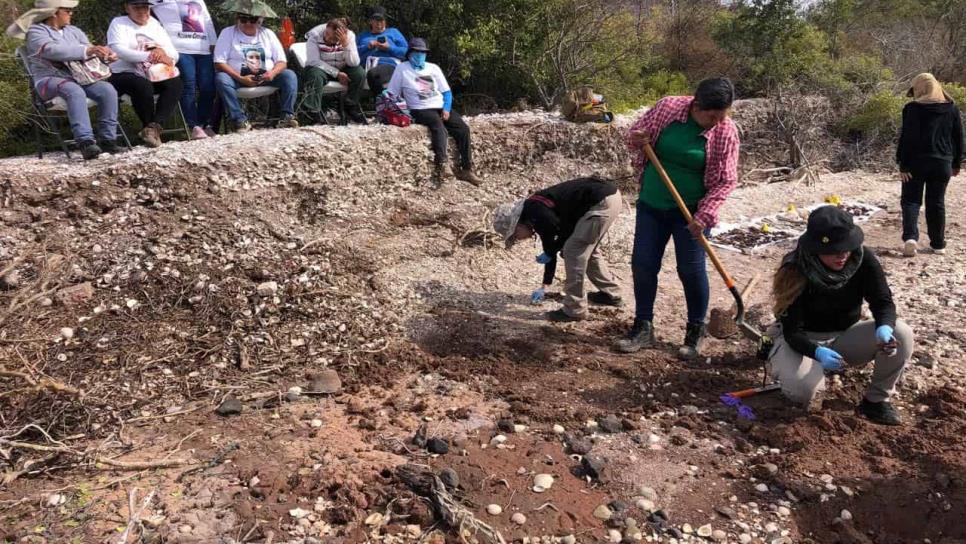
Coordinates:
[582,259]
[803,378]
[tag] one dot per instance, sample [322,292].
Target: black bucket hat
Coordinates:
[831,230]
[418,44]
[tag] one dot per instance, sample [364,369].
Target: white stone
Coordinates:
[761,488]
[771,528]
[374,519]
[648,493]
[494,509]
[66,333]
[558,429]
[614,536]
[56,500]
[519,428]
[602,512]
[744,538]
[316,423]
[543,480]
[687,529]
[497,440]
[846,515]
[705,531]
[569,539]
[267,289]
[518,518]
[784,512]
[298,513]
[646,505]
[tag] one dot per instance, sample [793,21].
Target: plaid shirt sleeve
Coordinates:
[653,121]
[721,171]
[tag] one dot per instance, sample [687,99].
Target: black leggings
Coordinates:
[439,132]
[142,91]
[931,177]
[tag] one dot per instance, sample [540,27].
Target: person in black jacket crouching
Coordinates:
[570,218]
[929,153]
[819,289]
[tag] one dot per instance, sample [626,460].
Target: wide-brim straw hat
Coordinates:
[42,10]
[505,219]
[255,8]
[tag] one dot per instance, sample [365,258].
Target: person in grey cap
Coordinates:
[571,218]
[51,42]
[427,94]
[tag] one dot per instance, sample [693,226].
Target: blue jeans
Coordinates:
[286,82]
[653,230]
[198,75]
[102,93]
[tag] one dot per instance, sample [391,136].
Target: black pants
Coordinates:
[439,132]
[142,91]
[378,77]
[933,177]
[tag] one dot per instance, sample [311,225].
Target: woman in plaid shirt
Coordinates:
[698,144]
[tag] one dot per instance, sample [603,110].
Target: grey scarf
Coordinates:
[820,277]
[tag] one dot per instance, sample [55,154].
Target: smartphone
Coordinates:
[381,39]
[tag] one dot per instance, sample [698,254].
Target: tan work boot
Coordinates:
[443,171]
[467,175]
[151,134]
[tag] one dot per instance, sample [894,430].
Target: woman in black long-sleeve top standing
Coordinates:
[930,152]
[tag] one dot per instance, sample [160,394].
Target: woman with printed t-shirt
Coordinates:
[145,67]
[192,32]
[250,55]
[425,89]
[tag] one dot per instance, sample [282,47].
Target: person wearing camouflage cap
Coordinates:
[570,218]
[249,55]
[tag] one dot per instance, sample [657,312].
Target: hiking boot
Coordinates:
[198,133]
[288,121]
[151,134]
[693,340]
[443,171]
[641,336]
[560,316]
[882,413]
[467,175]
[110,146]
[909,248]
[242,127]
[601,298]
[210,131]
[89,150]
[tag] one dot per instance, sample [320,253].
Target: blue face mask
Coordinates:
[417,59]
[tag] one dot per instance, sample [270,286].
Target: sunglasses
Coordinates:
[247,19]
[67,10]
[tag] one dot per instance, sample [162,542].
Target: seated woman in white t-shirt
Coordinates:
[144,50]
[192,32]
[425,89]
[249,55]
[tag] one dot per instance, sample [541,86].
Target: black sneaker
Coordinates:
[641,336]
[560,316]
[110,146]
[89,150]
[601,298]
[693,340]
[883,413]
[356,116]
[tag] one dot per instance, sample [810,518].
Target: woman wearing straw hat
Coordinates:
[929,153]
[249,55]
[819,290]
[51,42]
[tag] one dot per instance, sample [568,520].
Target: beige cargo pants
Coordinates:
[803,378]
[582,257]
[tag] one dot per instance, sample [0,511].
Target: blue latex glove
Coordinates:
[830,359]
[885,334]
[543,258]
[538,296]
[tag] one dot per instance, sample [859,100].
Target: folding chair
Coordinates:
[299,52]
[50,112]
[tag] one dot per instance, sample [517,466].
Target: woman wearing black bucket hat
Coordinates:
[819,289]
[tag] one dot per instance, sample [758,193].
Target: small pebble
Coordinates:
[568,539]
[518,518]
[494,509]
[705,531]
[543,480]
[761,488]
[558,429]
[316,423]
[744,538]
[687,529]
[614,536]
[648,493]
[719,536]
[602,512]
[784,512]
[498,439]
[846,515]
[646,505]
[771,528]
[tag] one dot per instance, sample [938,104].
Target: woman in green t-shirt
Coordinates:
[698,144]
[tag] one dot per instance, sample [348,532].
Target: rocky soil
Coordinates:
[296,336]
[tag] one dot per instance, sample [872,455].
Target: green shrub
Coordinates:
[878,119]
[957,93]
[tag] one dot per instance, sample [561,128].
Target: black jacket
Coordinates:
[553,213]
[930,132]
[834,311]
